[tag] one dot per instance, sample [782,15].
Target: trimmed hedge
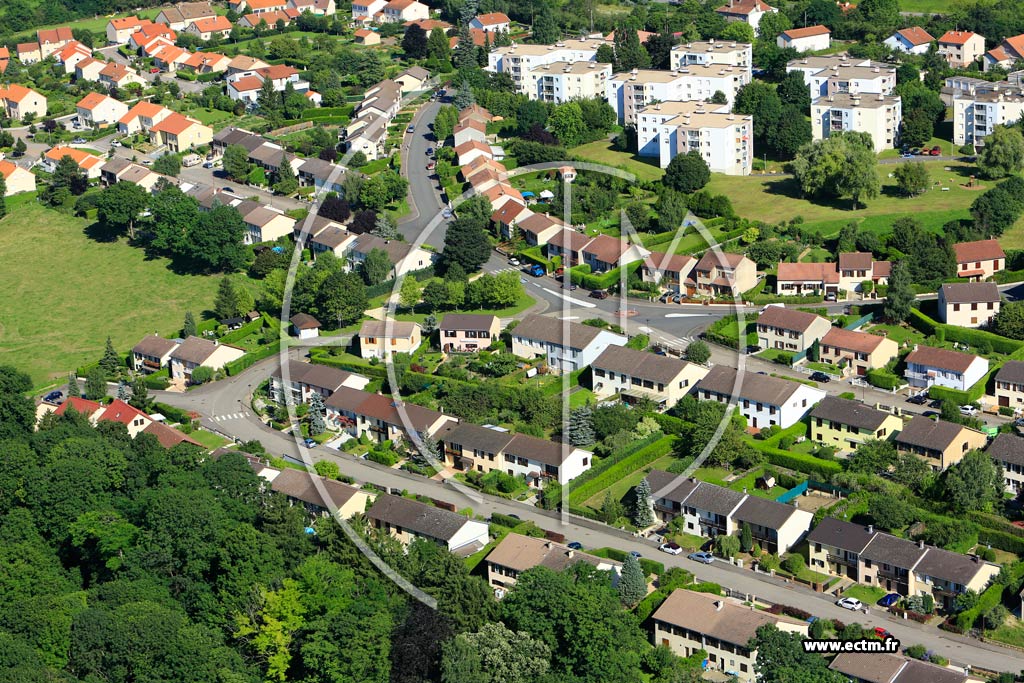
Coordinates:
[801,462]
[988,599]
[964,335]
[173,414]
[669,424]
[652,566]
[251,358]
[961,397]
[375,371]
[243,331]
[883,379]
[1001,540]
[618,470]
[582,277]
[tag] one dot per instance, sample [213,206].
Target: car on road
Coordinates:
[850,603]
[513,262]
[147,162]
[447,213]
[969,411]
[571,286]
[54,397]
[671,548]
[889,600]
[115,143]
[703,557]
[906,155]
[154,70]
[820,377]
[430,151]
[410,128]
[599,294]
[882,633]
[228,188]
[431,166]
[78,141]
[918,399]
[575,545]
[635,554]
[309,443]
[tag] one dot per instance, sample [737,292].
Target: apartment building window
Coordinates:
[510,458]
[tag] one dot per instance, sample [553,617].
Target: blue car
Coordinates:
[309,443]
[889,600]
[576,545]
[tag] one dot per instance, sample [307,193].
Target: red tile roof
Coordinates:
[55,35]
[794,33]
[851,340]
[119,411]
[175,124]
[803,272]
[915,35]
[744,7]
[982,250]
[92,100]
[956,37]
[81,405]
[210,24]
[492,19]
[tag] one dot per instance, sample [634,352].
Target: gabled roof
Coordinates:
[119,411]
[246,83]
[7,168]
[715,616]
[826,273]
[519,553]
[175,124]
[744,7]
[982,250]
[387,329]
[713,258]
[796,33]
[606,248]
[915,35]
[855,260]
[152,345]
[194,350]
[970,292]
[304,321]
[898,552]
[209,24]
[61,34]
[555,331]
[93,100]
[83,159]
[773,391]
[944,359]
[302,486]
[313,374]
[143,109]
[417,517]
[933,435]
[1012,371]
[651,366]
[674,263]
[16,92]
[492,19]
[851,340]
[1015,43]
[846,412]
[508,212]
[115,71]
[874,668]
[843,535]
[168,436]
[788,318]
[129,22]
[466,321]
[956,37]
[82,406]
[767,513]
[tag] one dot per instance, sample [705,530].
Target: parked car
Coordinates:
[575,545]
[882,633]
[447,213]
[671,548]
[906,155]
[78,141]
[430,151]
[850,603]
[513,262]
[935,151]
[115,143]
[703,557]
[915,151]
[635,554]
[820,377]
[309,443]
[918,399]
[431,166]
[155,70]
[969,411]
[54,397]
[599,294]
[410,128]
[571,286]
[830,296]
[889,600]
[677,298]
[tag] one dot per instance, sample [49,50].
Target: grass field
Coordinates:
[775,198]
[601,152]
[925,6]
[869,595]
[65,292]
[620,488]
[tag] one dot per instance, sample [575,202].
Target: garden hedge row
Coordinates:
[582,277]
[964,335]
[374,371]
[988,599]
[801,462]
[883,379]
[251,358]
[243,331]
[1001,540]
[620,469]
[962,397]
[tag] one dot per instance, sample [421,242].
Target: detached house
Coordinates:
[604,253]
[913,40]
[492,22]
[808,39]
[90,164]
[180,133]
[381,338]
[89,69]
[1010,385]
[1008,451]
[205,62]
[179,16]
[116,75]
[845,424]
[979,260]
[466,333]
[407,519]
[16,178]
[52,40]
[306,379]
[517,553]
[927,366]
[968,304]
[153,353]
[939,444]
[747,11]
[565,346]
[689,622]
[961,48]
[469,447]
[881,668]
[762,399]
[196,352]
[710,510]
[19,101]
[302,488]
[722,275]
[1008,52]
[858,267]
[271,19]
[856,352]
[787,329]
[401,11]
[895,564]
[119,30]
[210,27]
[639,375]
[72,54]
[668,271]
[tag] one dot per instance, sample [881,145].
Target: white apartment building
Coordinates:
[877,115]
[974,116]
[629,92]
[841,73]
[724,139]
[559,82]
[519,60]
[712,52]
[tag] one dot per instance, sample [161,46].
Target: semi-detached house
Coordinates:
[1010,385]
[467,333]
[381,418]
[638,375]
[938,443]
[196,352]
[1008,451]
[845,424]
[881,668]
[856,352]
[565,346]
[894,564]
[517,553]
[406,519]
[928,366]
[710,510]
[763,400]
[968,304]
[470,447]
[787,329]
[306,379]
[153,353]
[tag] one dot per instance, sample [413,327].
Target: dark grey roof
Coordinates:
[640,364]
[395,249]
[839,534]
[767,513]
[924,432]
[332,236]
[674,487]
[237,136]
[1012,371]
[917,671]
[320,376]
[466,321]
[949,566]
[722,380]
[847,412]
[318,168]
[871,668]
[416,517]
[897,552]
[115,165]
[540,450]
[1007,448]
[475,437]
[267,153]
[970,292]
[194,350]
[555,331]
[714,499]
[300,485]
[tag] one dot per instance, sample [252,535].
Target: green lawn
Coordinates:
[777,356]
[210,117]
[209,439]
[713,475]
[749,482]
[601,152]
[900,334]
[869,595]
[1011,633]
[65,292]
[524,302]
[622,487]
[925,6]
[775,198]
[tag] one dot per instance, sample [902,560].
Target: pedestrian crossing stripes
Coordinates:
[230,416]
[510,269]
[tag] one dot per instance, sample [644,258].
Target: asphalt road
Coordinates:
[224,406]
[424,191]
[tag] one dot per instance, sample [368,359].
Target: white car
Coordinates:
[850,604]
[969,411]
[670,548]
[513,262]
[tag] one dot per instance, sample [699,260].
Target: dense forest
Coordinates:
[121,561]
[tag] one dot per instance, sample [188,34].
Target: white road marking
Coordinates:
[685,315]
[584,304]
[570,317]
[644,329]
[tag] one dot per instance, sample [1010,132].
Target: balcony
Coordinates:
[840,559]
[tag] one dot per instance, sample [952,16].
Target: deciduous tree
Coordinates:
[120,204]
[414,42]
[376,267]
[687,172]
[236,162]
[974,483]
[912,178]
[1003,153]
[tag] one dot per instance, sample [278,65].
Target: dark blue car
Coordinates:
[889,600]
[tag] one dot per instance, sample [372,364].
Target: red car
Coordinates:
[935,151]
[882,633]
[431,166]
[154,70]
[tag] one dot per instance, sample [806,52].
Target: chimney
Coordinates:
[547,544]
[571,553]
[871,528]
[977,560]
[719,604]
[920,544]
